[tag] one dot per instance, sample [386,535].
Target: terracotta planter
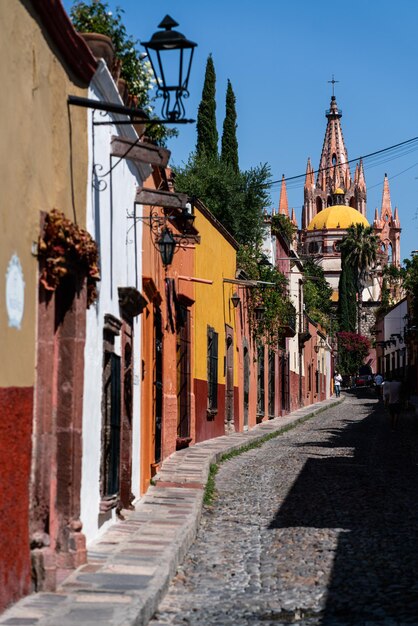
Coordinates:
[101,47]
[132,102]
[123,90]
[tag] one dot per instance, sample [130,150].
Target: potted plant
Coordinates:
[65,248]
[99,27]
[130,68]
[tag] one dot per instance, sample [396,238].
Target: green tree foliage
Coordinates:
[272,297]
[391,287]
[410,284]
[347,290]
[229,150]
[94,16]
[352,351]
[282,224]
[237,200]
[207,133]
[317,294]
[359,249]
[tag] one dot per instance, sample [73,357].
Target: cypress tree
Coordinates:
[229,152]
[207,134]
[347,306]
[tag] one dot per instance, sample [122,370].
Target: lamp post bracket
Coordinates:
[164,199]
[141,152]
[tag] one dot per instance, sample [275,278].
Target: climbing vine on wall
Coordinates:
[268,295]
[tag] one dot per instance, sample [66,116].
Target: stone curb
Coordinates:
[131,565]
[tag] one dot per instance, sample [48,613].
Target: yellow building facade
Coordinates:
[216,357]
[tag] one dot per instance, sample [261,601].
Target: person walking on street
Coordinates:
[378,380]
[337,384]
[394,401]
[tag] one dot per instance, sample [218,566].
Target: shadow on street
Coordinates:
[371,495]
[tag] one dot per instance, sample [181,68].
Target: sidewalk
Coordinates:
[130,566]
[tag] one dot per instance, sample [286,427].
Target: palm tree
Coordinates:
[359,248]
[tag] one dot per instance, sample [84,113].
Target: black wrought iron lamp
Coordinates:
[235,299]
[170,55]
[172,76]
[259,311]
[166,246]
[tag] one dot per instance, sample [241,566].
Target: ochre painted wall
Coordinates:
[215,260]
[37,156]
[43,165]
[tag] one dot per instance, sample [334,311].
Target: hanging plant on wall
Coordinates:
[63,249]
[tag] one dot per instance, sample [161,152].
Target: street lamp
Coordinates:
[259,312]
[172,78]
[170,55]
[166,245]
[235,299]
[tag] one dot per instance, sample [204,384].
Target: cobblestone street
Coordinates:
[319,526]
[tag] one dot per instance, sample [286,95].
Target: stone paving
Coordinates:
[319,526]
[130,566]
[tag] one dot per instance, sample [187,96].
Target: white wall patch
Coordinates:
[15,292]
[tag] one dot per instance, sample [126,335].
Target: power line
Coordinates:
[366,156]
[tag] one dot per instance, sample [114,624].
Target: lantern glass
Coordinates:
[166,246]
[235,299]
[259,312]
[171,55]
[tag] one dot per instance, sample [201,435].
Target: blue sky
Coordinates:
[279,56]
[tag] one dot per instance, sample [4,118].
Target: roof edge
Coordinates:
[72,47]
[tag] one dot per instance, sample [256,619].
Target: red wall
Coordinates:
[294,391]
[16,407]
[208,428]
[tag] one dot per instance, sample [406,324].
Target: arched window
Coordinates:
[318,204]
[390,254]
[353,202]
[334,159]
[329,201]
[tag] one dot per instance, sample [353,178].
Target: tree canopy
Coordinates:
[229,151]
[236,198]
[207,133]
[359,248]
[347,290]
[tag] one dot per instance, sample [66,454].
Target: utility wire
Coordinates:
[408,142]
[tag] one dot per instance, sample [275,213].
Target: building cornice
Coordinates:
[74,51]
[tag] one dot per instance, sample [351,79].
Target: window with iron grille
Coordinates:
[111,408]
[272,381]
[260,380]
[212,357]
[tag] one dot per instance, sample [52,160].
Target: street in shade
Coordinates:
[372,498]
[317,528]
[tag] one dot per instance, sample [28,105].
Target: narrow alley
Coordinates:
[316,527]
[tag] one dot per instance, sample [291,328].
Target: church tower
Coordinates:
[333,173]
[388,228]
[336,200]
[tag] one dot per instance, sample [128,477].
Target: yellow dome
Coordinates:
[339,191]
[337,216]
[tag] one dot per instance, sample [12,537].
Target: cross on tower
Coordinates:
[333,81]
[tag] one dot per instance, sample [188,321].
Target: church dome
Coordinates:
[337,216]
